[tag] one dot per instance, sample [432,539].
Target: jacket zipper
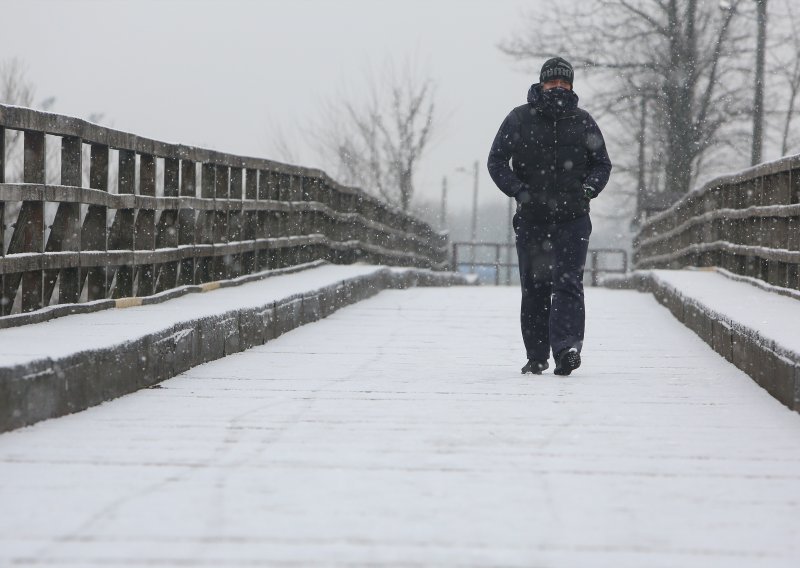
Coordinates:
[555,154]
[555,148]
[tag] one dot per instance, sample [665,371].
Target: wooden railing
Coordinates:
[174,215]
[747,223]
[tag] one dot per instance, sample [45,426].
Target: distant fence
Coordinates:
[747,223]
[174,215]
[497,262]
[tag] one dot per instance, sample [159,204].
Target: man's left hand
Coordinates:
[589,192]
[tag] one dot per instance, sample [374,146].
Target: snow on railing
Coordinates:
[130,216]
[747,223]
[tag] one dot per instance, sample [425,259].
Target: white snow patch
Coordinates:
[773,317]
[78,333]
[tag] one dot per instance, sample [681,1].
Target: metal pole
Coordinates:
[641,175]
[474,236]
[475,207]
[443,214]
[497,265]
[758,103]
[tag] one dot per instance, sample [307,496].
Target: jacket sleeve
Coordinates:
[599,168]
[500,156]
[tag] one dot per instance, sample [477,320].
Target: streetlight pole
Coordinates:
[443,214]
[475,208]
[474,235]
[641,177]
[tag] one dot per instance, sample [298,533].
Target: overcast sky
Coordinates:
[222,74]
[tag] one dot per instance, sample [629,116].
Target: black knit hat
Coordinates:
[556,68]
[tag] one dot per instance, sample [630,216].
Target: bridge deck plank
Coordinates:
[399,431]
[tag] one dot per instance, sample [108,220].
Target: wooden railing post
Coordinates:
[94,232]
[4,300]
[274,220]
[282,220]
[338,229]
[121,236]
[221,210]
[145,228]
[28,235]
[205,224]
[250,222]
[295,218]
[167,227]
[793,228]
[264,219]
[65,234]
[356,203]
[234,262]
[313,220]
[186,222]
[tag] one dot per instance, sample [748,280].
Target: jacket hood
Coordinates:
[542,102]
[535,94]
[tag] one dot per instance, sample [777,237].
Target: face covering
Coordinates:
[556,94]
[557,98]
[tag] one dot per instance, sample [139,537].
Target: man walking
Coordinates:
[558,163]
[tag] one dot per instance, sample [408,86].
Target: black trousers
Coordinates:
[551,262]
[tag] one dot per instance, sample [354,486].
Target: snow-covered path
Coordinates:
[399,432]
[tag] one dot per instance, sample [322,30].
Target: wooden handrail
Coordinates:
[176,215]
[747,223]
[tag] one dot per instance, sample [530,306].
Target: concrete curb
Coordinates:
[49,388]
[777,372]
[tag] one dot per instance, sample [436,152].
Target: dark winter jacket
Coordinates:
[554,148]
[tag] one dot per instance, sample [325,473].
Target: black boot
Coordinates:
[534,367]
[567,361]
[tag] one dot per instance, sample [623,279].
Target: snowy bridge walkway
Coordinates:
[399,431]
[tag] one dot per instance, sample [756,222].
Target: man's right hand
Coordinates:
[524,196]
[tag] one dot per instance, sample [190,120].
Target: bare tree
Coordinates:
[785,65]
[675,66]
[377,140]
[15,89]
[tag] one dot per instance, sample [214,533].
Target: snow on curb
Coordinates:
[768,353]
[35,387]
